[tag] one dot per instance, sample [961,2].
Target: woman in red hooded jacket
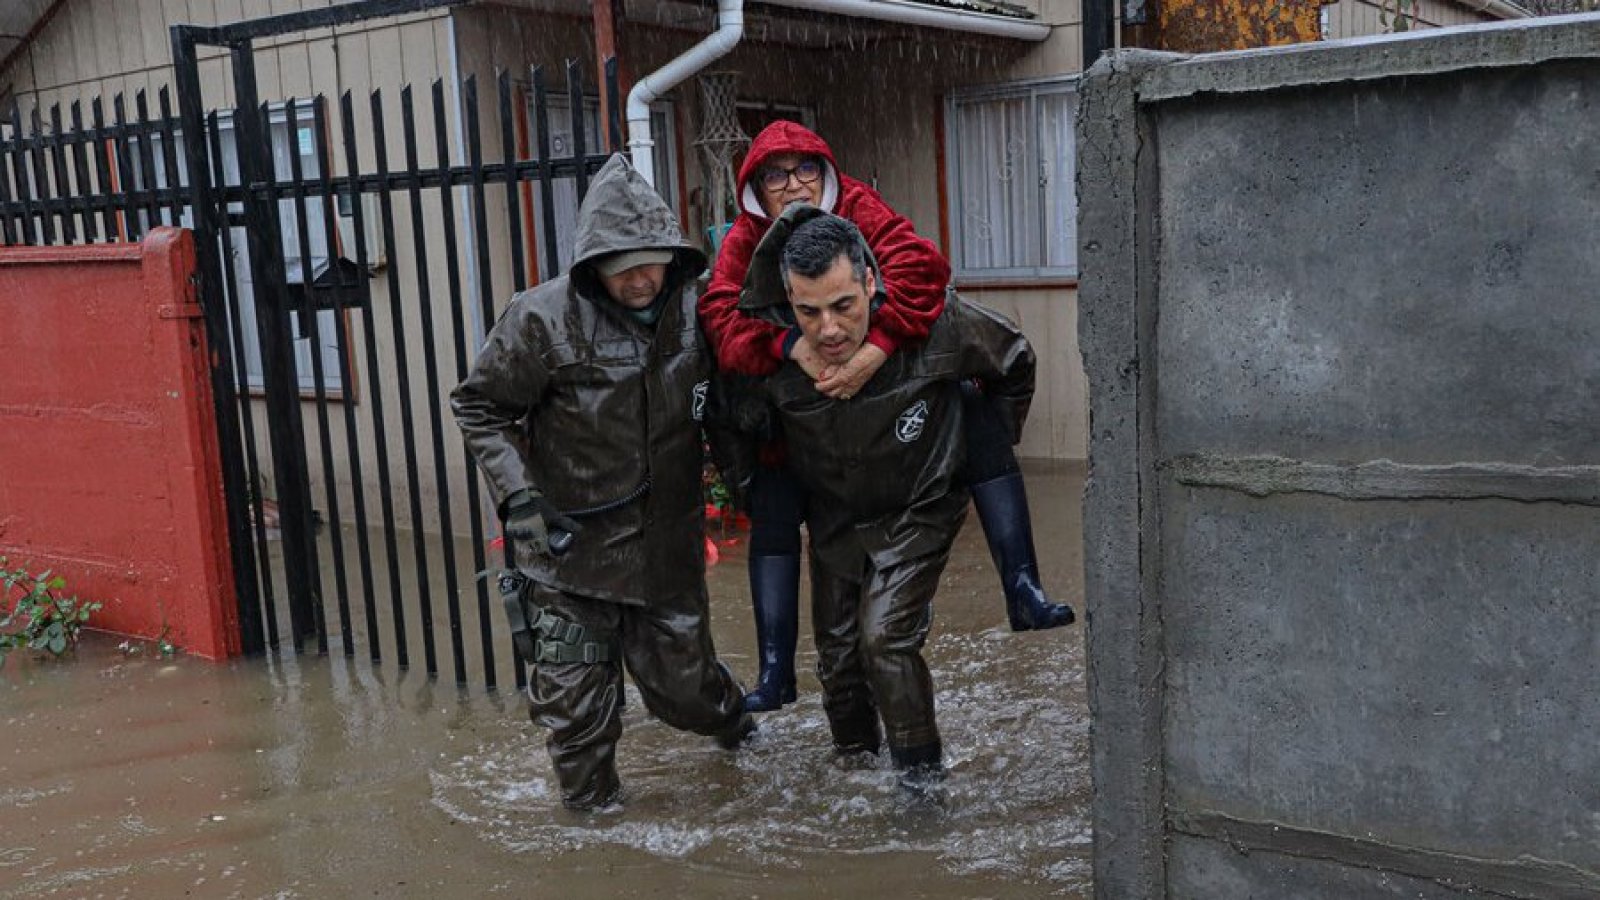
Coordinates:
[788,163]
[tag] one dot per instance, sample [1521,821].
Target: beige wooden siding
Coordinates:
[1358,18]
[1058,423]
[99,48]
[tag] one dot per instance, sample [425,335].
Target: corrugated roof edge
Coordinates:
[993,7]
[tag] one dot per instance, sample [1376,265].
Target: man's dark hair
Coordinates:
[814,246]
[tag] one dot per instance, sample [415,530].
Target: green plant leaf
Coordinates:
[58,645]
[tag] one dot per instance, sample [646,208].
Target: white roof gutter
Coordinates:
[1500,8]
[730,28]
[923,14]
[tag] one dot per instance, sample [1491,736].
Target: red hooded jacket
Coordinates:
[914,272]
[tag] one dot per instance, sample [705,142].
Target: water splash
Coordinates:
[1014,805]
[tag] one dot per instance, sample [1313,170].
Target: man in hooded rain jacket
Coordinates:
[584,410]
[788,163]
[883,469]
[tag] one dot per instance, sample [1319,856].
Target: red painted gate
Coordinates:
[109,472]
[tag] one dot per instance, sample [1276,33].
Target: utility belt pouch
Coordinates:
[541,636]
[512,584]
[561,641]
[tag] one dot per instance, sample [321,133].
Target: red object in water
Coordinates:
[497,543]
[712,553]
[714,514]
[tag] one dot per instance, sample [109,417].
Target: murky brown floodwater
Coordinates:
[303,776]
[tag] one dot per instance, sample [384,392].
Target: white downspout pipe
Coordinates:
[730,27]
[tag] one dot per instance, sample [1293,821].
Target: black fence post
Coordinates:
[284,426]
[208,222]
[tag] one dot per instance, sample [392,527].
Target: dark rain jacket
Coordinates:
[912,269]
[572,396]
[882,466]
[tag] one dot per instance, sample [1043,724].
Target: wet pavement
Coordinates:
[129,775]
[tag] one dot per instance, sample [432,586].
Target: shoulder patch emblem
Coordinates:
[697,410]
[908,427]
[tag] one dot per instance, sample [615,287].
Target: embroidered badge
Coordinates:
[909,426]
[698,411]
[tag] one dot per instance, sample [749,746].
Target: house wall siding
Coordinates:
[1357,18]
[100,48]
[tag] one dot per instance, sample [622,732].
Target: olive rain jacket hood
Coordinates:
[573,397]
[882,467]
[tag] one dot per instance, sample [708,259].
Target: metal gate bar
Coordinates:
[431,372]
[347,409]
[369,333]
[458,322]
[250,612]
[308,319]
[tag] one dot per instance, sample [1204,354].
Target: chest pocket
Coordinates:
[604,362]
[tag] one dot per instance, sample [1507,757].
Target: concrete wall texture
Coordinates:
[109,469]
[1339,323]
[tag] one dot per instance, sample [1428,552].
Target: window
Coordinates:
[1011,170]
[755,115]
[565,190]
[299,140]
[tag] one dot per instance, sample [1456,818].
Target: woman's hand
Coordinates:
[844,381]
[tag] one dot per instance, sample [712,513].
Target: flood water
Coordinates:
[130,775]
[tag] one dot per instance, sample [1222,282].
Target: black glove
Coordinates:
[530,517]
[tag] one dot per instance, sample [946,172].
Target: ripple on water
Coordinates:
[1015,804]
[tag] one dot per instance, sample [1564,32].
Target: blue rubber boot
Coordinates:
[1002,505]
[775,592]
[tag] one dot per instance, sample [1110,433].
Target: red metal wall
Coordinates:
[109,471]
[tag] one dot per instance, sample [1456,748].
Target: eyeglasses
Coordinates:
[776,179]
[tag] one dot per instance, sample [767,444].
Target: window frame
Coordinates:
[333,388]
[1030,90]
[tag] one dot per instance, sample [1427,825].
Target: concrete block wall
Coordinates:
[1339,317]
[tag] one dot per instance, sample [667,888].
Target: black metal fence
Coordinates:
[346,284]
[77,180]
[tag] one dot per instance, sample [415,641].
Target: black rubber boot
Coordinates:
[735,735]
[775,592]
[1002,505]
[854,728]
[921,768]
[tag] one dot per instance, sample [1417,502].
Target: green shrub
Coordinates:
[40,619]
